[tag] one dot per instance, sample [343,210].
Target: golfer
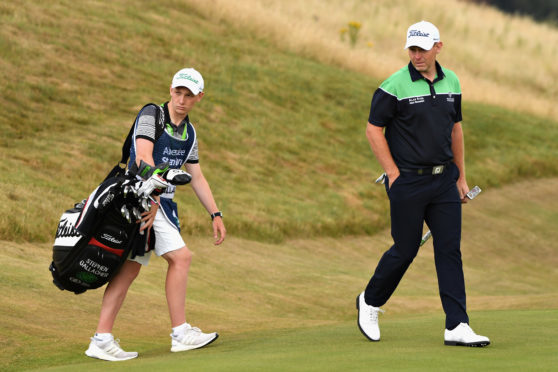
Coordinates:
[172,139]
[422,154]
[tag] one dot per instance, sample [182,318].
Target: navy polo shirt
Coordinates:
[418,115]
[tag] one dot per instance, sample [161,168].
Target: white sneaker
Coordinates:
[463,335]
[191,338]
[368,319]
[109,350]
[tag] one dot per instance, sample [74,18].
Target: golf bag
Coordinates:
[96,236]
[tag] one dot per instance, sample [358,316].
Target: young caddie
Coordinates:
[163,134]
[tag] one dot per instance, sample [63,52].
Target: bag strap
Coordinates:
[120,168]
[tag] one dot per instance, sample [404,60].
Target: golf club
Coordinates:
[471,195]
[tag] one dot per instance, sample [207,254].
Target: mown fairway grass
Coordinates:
[411,343]
[291,306]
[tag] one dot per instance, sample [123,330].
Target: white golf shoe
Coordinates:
[108,350]
[463,335]
[368,319]
[191,338]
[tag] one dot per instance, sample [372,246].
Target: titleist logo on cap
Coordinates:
[418,33]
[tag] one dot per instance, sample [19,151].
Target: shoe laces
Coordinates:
[190,328]
[114,347]
[468,328]
[188,335]
[374,313]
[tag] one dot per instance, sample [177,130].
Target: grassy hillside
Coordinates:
[292,304]
[501,59]
[281,135]
[282,143]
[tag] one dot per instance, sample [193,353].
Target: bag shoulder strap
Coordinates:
[159,128]
[120,168]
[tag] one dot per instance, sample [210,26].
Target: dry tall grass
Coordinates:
[501,59]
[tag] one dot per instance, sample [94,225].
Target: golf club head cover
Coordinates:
[177,177]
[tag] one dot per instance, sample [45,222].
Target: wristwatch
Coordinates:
[216,214]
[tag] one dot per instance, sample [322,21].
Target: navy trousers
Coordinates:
[415,199]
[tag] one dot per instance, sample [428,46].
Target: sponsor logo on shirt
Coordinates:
[414,100]
[173,152]
[173,162]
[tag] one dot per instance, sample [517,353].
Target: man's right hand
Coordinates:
[392,177]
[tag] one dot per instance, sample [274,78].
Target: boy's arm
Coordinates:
[203,192]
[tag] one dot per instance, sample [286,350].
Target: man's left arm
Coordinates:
[458,149]
[203,192]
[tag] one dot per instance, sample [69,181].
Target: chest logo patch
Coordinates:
[415,100]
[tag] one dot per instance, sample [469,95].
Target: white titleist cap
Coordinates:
[189,78]
[423,34]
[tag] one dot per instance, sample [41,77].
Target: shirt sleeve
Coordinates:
[458,117]
[383,108]
[145,125]
[193,158]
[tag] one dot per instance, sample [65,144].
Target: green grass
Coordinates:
[281,136]
[287,304]
[283,146]
[410,343]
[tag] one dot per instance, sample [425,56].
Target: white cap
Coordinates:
[423,34]
[189,78]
